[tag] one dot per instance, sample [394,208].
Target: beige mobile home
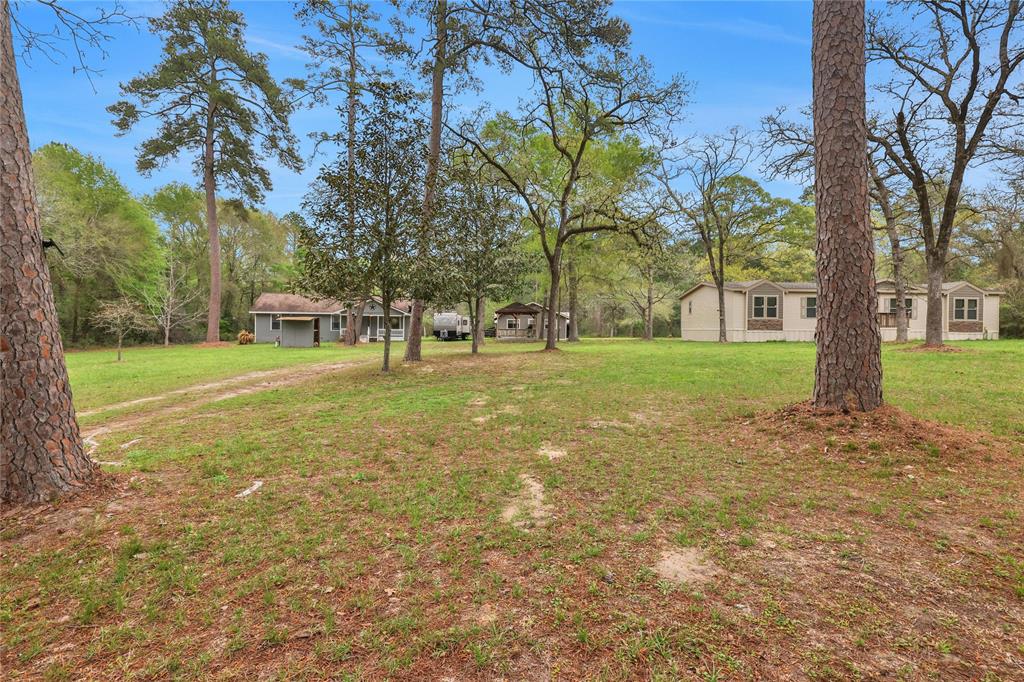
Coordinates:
[762,310]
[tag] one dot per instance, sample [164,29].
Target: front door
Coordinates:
[371,328]
[316,331]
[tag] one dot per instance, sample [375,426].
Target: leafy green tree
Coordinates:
[480,241]
[109,244]
[257,255]
[384,195]
[216,100]
[545,37]
[342,39]
[575,161]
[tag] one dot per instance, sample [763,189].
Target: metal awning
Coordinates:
[293,318]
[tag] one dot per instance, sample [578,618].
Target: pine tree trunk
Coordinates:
[359,321]
[933,321]
[414,347]
[848,370]
[210,184]
[41,453]
[351,332]
[648,314]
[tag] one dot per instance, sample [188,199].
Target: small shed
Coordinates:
[300,331]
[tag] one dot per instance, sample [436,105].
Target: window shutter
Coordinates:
[803,307]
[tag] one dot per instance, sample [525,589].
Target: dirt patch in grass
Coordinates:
[890,524]
[934,349]
[687,566]
[210,393]
[551,452]
[527,510]
[887,429]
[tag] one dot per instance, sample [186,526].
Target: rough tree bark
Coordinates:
[350,333]
[478,323]
[41,453]
[414,348]
[848,369]
[360,309]
[210,184]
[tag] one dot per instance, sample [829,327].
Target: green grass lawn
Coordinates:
[507,516]
[97,378]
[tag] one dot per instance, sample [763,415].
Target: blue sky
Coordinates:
[745,59]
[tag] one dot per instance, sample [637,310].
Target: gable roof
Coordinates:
[294,303]
[882,284]
[518,308]
[531,308]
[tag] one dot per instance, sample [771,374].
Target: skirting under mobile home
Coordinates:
[787,311]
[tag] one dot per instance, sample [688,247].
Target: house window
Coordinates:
[396,323]
[908,305]
[965,309]
[690,310]
[338,323]
[811,306]
[511,323]
[766,306]
[275,322]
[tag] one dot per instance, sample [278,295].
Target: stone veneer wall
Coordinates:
[764,325]
[965,326]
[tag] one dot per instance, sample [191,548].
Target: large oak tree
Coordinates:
[955,96]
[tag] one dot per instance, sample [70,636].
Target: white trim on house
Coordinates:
[699,314]
[966,308]
[765,307]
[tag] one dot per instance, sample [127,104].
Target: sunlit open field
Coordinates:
[615,510]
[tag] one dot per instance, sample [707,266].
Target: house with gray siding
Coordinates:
[762,310]
[297,321]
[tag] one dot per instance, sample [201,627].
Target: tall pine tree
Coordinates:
[848,372]
[216,100]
